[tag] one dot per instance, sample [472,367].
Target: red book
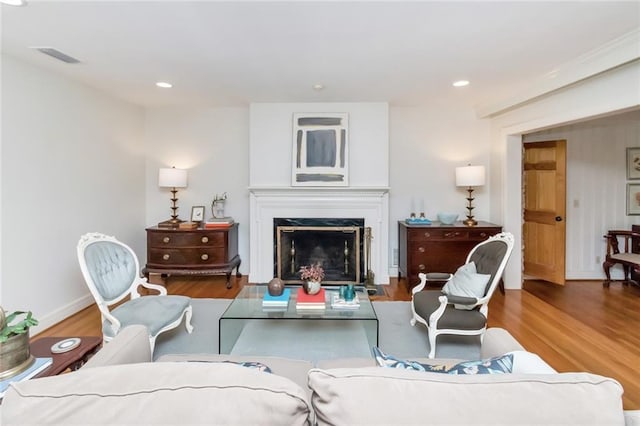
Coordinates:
[310,298]
[217,225]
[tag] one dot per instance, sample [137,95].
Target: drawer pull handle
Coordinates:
[421,249]
[204,256]
[205,239]
[166,239]
[426,234]
[422,267]
[483,234]
[448,234]
[165,257]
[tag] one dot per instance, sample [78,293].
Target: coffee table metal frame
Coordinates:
[247,306]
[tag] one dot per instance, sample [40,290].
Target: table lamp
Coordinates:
[470,176]
[172,178]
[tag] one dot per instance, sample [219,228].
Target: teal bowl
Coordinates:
[447,218]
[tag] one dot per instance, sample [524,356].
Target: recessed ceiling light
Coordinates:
[14,2]
[461,83]
[318,86]
[164,84]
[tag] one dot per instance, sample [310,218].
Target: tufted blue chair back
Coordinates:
[112,268]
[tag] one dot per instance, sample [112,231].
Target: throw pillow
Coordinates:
[496,365]
[390,361]
[466,282]
[248,364]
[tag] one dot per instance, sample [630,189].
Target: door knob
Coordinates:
[558,219]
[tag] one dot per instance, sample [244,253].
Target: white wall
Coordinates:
[271,143]
[420,146]
[213,145]
[427,144]
[615,90]
[596,186]
[72,162]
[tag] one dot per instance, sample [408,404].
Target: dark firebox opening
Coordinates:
[337,244]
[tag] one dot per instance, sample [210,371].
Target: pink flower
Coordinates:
[312,273]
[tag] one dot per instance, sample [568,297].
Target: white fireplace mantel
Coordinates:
[267,203]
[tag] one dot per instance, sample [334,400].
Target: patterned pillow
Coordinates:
[249,364]
[497,365]
[390,361]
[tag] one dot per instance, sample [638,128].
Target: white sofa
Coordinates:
[120,385]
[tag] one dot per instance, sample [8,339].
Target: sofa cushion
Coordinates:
[160,393]
[294,369]
[393,396]
[529,363]
[130,346]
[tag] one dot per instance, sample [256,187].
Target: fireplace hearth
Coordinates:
[335,243]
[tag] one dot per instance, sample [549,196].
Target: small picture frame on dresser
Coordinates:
[197,213]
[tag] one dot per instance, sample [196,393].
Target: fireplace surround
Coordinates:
[266,204]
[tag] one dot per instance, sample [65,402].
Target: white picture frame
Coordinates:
[320,155]
[197,213]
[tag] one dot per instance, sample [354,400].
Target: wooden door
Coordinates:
[544,227]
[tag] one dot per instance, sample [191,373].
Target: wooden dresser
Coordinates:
[193,252]
[437,248]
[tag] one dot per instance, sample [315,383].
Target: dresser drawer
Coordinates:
[482,234]
[437,248]
[186,239]
[435,234]
[185,257]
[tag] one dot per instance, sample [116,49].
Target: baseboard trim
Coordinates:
[60,314]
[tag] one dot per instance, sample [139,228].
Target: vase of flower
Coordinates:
[312,287]
[311,277]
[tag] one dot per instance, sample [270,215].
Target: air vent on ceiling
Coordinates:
[55,53]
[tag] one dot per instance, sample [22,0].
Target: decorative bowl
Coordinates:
[447,218]
[275,287]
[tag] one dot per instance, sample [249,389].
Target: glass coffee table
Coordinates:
[246,327]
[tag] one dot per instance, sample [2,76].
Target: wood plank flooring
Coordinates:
[578,327]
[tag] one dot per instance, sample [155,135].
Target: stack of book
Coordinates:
[188,225]
[218,222]
[339,303]
[310,301]
[276,302]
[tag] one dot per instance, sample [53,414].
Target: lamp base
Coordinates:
[470,221]
[171,223]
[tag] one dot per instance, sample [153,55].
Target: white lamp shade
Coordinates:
[172,178]
[470,176]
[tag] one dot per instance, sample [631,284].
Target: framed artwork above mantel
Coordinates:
[320,149]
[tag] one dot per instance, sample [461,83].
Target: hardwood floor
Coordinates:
[579,327]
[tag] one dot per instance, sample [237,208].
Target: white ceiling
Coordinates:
[233,53]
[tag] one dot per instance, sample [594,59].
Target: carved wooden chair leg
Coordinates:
[627,274]
[607,281]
